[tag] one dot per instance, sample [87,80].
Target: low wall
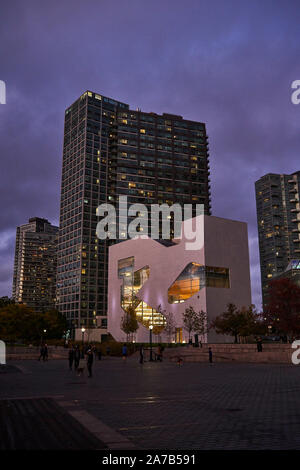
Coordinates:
[20,353]
[247,353]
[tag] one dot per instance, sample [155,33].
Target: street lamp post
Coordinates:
[150,330]
[82,332]
[44,331]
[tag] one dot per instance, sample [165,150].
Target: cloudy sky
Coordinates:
[227,63]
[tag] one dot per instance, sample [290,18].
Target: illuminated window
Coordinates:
[193,278]
[131,185]
[142,131]
[133,281]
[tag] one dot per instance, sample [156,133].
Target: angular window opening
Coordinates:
[193,278]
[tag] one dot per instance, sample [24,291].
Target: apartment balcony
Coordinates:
[292,181]
[295,210]
[294,200]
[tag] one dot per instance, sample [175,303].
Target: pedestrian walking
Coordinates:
[45,355]
[210,356]
[99,355]
[89,361]
[77,357]
[41,352]
[71,357]
[141,354]
[124,352]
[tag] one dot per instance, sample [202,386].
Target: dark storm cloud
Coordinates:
[229,64]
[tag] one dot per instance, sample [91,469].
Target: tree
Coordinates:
[191,321]
[200,326]
[238,323]
[169,324]
[4,301]
[283,309]
[251,322]
[194,321]
[55,324]
[19,322]
[228,323]
[129,323]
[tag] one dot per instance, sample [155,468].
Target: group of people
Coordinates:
[76,356]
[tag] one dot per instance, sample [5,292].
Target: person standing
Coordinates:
[76,357]
[124,352]
[71,357]
[90,360]
[259,345]
[210,356]
[141,354]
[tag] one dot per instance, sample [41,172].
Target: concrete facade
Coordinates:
[221,243]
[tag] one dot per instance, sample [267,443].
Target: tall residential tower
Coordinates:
[34,279]
[111,150]
[278,219]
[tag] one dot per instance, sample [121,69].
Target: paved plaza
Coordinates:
[158,405]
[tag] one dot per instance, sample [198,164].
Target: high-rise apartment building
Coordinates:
[278,219]
[109,151]
[34,278]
